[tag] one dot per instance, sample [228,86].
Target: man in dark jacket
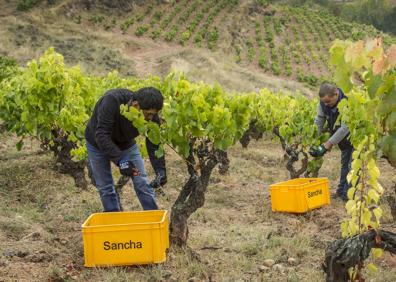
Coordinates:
[330,96]
[110,137]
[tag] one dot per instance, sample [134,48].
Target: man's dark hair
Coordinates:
[149,98]
[327,89]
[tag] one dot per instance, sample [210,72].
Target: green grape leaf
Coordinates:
[160,152]
[153,132]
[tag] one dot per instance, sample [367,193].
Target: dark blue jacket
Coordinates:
[111,132]
[332,114]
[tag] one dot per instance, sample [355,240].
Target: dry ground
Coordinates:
[41,213]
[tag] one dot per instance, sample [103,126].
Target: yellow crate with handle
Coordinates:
[299,195]
[126,238]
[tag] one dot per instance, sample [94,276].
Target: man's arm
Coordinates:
[320,119]
[158,164]
[339,135]
[106,118]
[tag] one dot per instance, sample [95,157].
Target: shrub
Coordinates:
[24,5]
[141,30]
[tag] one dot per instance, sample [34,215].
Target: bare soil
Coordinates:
[233,234]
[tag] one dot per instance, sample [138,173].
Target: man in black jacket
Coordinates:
[110,137]
[328,113]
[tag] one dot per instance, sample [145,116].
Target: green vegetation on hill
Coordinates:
[279,39]
[379,13]
[24,5]
[289,39]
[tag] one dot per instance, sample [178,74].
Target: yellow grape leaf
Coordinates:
[350,206]
[375,184]
[375,51]
[378,66]
[374,172]
[355,178]
[379,188]
[361,145]
[373,169]
[372,268]
[352,273]
[356,56]
[353,228]
[349,176]
[377,213]
[344,229]
[356,164]
[366,217]
[373,195]
[353,50]
[374,43]
[377,252]
[351,193]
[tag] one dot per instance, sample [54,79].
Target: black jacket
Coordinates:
[112,133]
[331,118]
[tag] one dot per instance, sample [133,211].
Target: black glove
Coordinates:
[159,180]
[317,151]
[127,168]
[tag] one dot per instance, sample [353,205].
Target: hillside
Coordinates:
[243,45]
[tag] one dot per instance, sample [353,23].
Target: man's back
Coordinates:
[107,126]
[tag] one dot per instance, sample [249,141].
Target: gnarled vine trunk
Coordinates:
[61,148]
[192,195]
[292,154]
[346,253]
[252,132]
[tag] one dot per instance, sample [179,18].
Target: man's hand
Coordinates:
[159,180]
[317,151]
[328,145]
[127,168]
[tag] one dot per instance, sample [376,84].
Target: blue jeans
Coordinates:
[346,160]
[101,172]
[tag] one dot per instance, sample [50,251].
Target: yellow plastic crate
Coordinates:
[300,195]
[125,238]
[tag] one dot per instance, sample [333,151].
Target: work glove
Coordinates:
[159,180]
[317,151]
[127,168]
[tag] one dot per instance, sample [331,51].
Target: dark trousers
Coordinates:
[101,170]
[346,160]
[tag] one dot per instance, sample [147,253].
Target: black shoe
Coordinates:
[344,198]
[339,195]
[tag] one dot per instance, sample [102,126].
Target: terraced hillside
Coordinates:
[279,40]
[243,44]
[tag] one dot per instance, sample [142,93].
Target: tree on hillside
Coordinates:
[378,13]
